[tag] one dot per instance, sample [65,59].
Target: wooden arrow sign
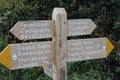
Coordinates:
[25,55]
[25,30]
[85,49]
[80,27]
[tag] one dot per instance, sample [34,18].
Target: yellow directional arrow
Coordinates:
[109,47]
[5,57]
[25,55]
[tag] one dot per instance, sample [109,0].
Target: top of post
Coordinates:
[59,11]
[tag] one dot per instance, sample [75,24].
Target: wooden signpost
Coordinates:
[54,55]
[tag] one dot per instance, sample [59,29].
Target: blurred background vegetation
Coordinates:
[106,15]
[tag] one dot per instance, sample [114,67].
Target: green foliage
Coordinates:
[105,13]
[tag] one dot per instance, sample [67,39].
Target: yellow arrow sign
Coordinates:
[85,49]
[25,55]
[5,57]
[109,47]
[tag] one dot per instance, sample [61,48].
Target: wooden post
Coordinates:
[60,38]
